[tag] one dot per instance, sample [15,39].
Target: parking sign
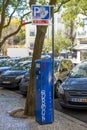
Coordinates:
[40,14]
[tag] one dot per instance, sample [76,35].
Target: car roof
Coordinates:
[25,62]
[1,57]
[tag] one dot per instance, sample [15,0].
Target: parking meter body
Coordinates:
[43,91]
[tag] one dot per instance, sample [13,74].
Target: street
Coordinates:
[78,114]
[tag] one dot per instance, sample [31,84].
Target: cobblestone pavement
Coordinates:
[9,100]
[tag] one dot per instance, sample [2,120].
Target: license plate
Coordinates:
[6,82]
[78,99]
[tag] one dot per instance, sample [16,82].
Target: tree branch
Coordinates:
[61,4]
[10,17]
[15,32]
[4,6]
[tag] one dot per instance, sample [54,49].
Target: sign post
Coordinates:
[53,55]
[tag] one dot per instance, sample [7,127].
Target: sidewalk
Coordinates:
[10,100]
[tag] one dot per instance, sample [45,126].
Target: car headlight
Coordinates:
[60,90]
[19,77]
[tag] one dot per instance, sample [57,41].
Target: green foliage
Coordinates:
[73,8]
[47,45]
[21,36]
[20,7]
[61,42]
[72,14]
[42,2]
[9,10]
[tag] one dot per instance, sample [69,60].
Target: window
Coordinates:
[85,21]
[85,24]
[31,45]
[32,32]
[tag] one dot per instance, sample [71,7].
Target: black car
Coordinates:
[5,64]
[59,76]
[5,68]
[24,83]
[73,91]
[11,78]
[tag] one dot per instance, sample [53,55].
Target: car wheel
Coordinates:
[56,88]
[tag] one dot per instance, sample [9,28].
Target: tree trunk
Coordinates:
[30,100]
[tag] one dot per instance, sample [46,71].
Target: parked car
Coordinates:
[19,59]
[24,83]
[5,68]
[72,92]
[11,78]
[4,57]
[59,76]
[5,64]
[61,69]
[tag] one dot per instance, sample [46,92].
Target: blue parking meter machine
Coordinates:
[43,91]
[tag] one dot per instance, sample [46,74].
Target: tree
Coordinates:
[61,42]
[8,10]
[71,33]
[72,10]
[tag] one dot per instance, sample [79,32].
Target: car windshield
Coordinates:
[18,66]
[21,66]
[5,63]
[79,71]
